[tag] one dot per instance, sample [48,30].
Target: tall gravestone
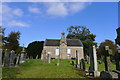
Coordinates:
[7,58]
[108,73]
[106,59]
[18,60]
[23,55]
[77,59]
[49,53]
[93,62]
[12,57]
[117,59]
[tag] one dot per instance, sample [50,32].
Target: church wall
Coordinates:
[51,49]
[73,49]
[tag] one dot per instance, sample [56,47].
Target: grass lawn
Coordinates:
[36,69]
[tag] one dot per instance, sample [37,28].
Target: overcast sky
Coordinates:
[38,21]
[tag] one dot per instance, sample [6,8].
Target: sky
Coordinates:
[38,21]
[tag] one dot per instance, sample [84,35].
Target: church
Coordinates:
[63,48]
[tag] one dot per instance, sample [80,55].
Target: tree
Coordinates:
[109,43]
[35,48]
[84,34]
[12,41]
[117,40]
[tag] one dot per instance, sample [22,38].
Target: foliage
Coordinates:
[35,48]
[84,34]
[12,41]
[112,46]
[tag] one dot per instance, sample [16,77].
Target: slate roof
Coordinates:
[56,42]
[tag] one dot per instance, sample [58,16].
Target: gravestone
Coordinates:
[12,57]
[107,61]
[108,73]
[18,60]
[82,64]
[45,57]
[23,55]
[77,59]
[117,59]
[7,58]
[93,62]
[49,53]
[22,58]
[73,63]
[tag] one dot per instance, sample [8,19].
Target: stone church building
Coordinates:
[64,48]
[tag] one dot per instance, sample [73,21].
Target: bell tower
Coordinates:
[63,46]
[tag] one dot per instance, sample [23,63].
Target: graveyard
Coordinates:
[60,40]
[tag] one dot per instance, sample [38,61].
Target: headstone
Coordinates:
[82,64]
[107,61]
[18,60]
[12,58]
[22,58]
[23,55]
[117,59]
[108,73]
[7,58]
[45,57]
[93,62]
[73,63]
[49,53]
[77,59]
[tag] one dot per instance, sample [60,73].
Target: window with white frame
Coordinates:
[68,51]
[57,51]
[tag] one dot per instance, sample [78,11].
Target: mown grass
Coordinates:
[36,69]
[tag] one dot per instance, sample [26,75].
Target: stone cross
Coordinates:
[107,60]
[93,62]
[12,58]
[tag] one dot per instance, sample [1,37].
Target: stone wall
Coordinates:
[63,52]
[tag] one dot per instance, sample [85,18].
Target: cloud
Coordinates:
[10,16]
[56,9]
[34,10]
[64,9]
[18,12]
[17,24]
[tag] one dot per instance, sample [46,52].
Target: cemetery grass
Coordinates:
[101,66]
[36,69]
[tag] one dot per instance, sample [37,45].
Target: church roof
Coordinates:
[56,42]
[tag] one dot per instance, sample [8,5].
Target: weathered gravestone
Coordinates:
[73,63]
[49,53]
[7,58]
[45,56]
[77,59]
[18,60]
[93,62]
[12,57]
[23,55]
[22,58]
[82,64]
[117,59]
[108,73]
